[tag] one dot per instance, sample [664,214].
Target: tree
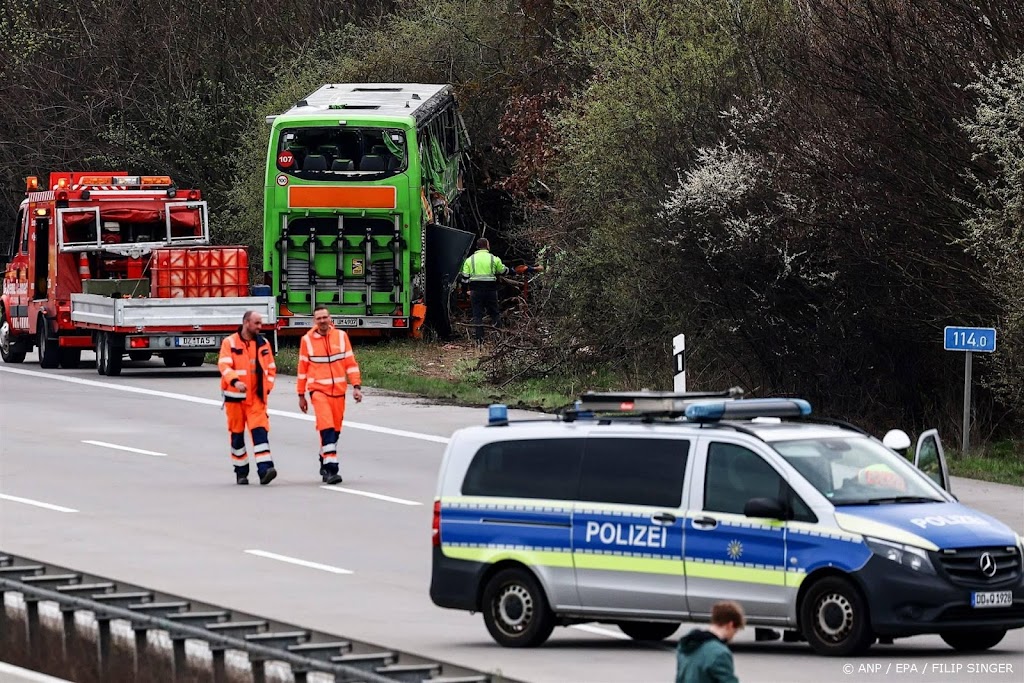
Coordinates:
[995,230]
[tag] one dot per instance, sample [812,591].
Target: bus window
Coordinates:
[320,153]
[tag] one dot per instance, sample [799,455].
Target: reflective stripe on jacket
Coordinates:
[327,363]
[483,266]
[251,362]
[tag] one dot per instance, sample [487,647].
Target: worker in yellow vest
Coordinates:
[481,271]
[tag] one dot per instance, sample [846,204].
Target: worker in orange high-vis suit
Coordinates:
[327,365]
[247,373]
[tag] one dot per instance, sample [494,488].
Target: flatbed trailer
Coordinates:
[180,330]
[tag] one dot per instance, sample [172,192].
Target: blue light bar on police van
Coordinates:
[745,409]
[497,414]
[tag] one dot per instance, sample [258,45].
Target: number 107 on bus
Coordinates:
[970,339]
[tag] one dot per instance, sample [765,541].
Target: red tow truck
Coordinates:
[120,264]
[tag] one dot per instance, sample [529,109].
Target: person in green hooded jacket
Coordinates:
[703,656]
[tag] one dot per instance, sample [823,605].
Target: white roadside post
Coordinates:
[678,347]
[968,339]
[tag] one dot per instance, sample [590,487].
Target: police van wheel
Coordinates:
[834,618]
[515,609]
[973,641]
[647,630]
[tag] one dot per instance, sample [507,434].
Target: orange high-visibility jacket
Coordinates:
[327,363]
[251,362]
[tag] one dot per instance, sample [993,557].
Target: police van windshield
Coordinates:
[857,471]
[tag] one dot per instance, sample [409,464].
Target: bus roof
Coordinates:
[372,99]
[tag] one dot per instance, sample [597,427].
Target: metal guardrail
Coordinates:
[263,640]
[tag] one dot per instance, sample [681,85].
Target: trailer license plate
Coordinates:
[346,322]
[193,342]
[992,599]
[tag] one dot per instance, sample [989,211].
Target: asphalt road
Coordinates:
[129,477]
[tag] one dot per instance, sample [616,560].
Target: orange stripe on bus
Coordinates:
[309,197]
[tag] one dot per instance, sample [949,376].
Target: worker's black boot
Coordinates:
[267,476]
[331,475]
[242,475]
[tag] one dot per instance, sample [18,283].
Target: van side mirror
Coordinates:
[768,508]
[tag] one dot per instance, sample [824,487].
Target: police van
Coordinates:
[643,510]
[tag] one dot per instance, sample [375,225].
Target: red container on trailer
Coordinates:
[200,272]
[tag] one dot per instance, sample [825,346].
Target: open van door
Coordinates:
[930,458]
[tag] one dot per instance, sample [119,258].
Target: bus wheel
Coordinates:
[193,360]
[834,618]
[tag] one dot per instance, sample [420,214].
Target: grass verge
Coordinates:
[1001,462]
[450,372]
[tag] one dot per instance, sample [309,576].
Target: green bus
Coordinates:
[362,208]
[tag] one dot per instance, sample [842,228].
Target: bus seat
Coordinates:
[372,162]
[314,162]
[343,165]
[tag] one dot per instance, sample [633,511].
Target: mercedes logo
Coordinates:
[987,565]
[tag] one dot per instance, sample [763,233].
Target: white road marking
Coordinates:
[378,496]
[38,504]
[598,631]
[301,563]
[104,444]
[27,675]
[211,402]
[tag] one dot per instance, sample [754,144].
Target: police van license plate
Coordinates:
[194,342]
[992,599]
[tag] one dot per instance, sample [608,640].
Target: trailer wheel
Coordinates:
[11,350]
[114,353]
[48,348]
[101,352]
